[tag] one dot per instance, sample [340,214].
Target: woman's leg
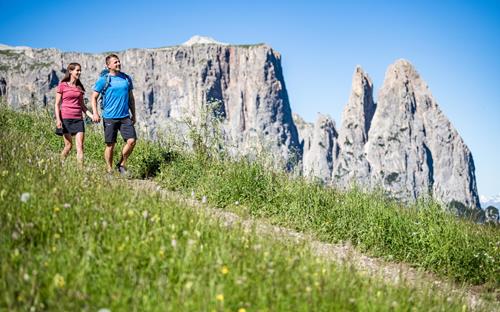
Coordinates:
[68,143]
[80,138]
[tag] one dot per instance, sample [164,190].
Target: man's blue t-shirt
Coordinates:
[115,100]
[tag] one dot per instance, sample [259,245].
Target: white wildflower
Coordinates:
[174,243]
[204,200]
[145,214]
[25,197]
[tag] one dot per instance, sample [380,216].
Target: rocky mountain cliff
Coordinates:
[402,142]
[171,84]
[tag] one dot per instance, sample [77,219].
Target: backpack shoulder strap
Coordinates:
[108,82]
[102,94]
[129,80]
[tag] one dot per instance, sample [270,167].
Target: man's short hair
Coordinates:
[109,57]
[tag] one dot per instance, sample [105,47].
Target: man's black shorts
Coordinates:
[111,127]
[72,126]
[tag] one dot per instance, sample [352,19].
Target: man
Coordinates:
[116,88]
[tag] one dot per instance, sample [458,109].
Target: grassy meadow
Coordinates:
[79,239]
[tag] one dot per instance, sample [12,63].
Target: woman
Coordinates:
[68,109]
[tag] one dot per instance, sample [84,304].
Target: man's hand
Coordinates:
[133,119]
[95,117]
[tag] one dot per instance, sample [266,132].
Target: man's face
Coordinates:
[114,64]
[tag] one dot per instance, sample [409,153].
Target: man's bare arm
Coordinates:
[131,105]
[95,116]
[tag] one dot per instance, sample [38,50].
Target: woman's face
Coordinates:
[75,73]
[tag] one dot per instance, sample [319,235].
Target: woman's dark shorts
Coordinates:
[124,125]
[73,126]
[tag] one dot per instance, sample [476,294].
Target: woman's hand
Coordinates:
[58,124]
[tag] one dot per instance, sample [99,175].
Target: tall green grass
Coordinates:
[77,239]
[421,234]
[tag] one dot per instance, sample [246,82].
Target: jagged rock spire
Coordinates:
[412,148]
[351,165]
[319,148]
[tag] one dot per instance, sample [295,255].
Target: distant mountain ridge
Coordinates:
[402,142]
[490,201]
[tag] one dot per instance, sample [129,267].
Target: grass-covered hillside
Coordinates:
[79,239]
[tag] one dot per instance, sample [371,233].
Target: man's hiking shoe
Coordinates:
[121,169]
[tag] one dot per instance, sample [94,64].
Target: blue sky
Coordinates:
[455,46]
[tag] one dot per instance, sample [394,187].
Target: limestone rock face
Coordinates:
[403,143]
[319,148]
[172,84]
[413,149]
[491,215]
[351,166]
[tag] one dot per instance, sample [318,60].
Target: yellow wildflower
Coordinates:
[220,297]
[59,281]
[56,209]
[224,270]
[188,285]
[242,310]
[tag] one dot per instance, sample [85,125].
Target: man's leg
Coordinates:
[126,151]
[110,132]
[127,130]
[108,156]
[68,143]
[80,137]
